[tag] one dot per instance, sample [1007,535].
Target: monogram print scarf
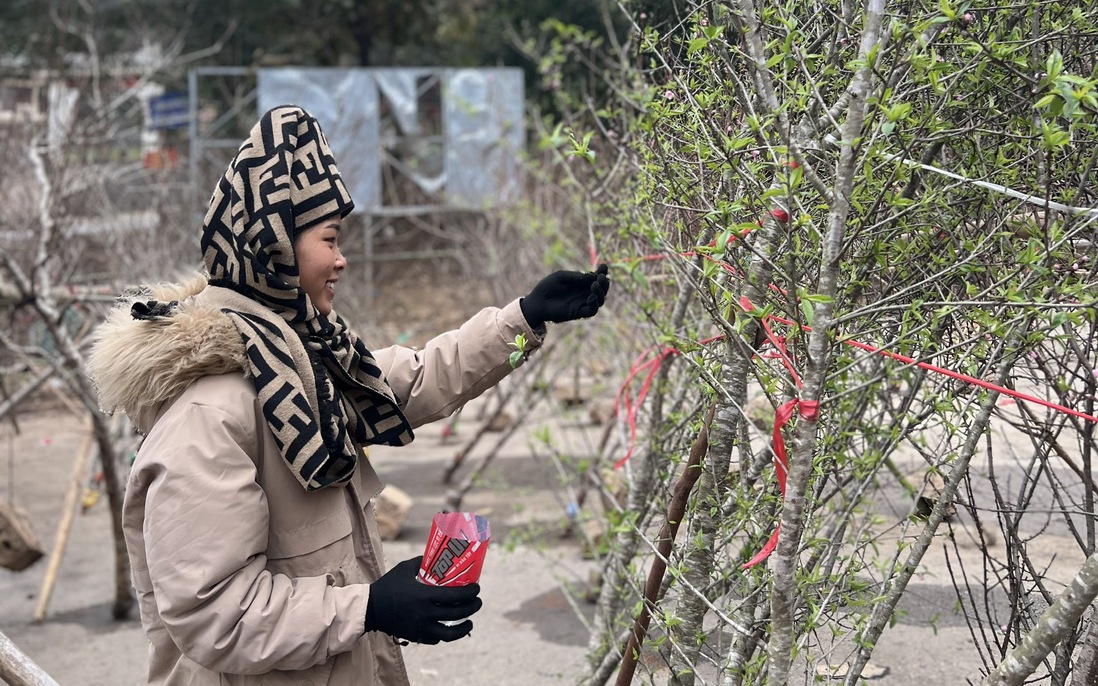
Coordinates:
[320,388]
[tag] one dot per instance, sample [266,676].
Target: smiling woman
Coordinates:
[247,517]
[320,262]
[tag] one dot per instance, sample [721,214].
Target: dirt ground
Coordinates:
[528,578]
[531,630]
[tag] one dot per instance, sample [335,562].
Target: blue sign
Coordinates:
[169,111]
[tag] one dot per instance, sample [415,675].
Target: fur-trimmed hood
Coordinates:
[137,364]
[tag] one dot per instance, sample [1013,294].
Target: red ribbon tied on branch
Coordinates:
[809,410]
[632,407]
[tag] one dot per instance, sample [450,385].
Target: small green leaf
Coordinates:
[1054,64]
[807,311]
[1046,101]
[722,240]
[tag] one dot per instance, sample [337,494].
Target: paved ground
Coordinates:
[531,630]
[528,622]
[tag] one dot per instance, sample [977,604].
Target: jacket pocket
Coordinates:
[315,549]
[314,676]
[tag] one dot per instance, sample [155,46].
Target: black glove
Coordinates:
[563,296]
[402,607]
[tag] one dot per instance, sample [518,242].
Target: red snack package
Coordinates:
[455,549]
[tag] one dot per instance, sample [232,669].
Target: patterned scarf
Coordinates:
[284,180]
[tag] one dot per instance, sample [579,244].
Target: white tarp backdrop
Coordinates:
[472,162]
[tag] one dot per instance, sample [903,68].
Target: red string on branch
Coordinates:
[1017,395]
[631,408]
[809,408]
[810,411]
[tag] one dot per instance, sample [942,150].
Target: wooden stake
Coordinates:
[72,503]
[17,669]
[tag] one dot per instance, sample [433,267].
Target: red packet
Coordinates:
[455,549]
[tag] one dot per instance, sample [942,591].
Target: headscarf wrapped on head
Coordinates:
[282,181]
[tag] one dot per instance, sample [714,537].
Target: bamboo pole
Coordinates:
[16,669]
[72,503]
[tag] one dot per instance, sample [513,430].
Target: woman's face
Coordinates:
[320,262]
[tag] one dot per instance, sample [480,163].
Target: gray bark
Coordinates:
[714,484]
[624,548]
[1085,672]
[785,562]
[16,669]
[1055,625]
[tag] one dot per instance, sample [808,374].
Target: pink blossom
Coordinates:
[669,94]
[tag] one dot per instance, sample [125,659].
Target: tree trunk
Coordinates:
[108,459]
[1057,622]
[1085,672]
[72,367]
[664,542]
[786,556]
[113,481]
[16,669]
[623,550]
[714,486]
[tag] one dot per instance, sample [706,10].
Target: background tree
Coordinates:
[84,214]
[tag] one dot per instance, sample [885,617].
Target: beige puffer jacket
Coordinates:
[243,576]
